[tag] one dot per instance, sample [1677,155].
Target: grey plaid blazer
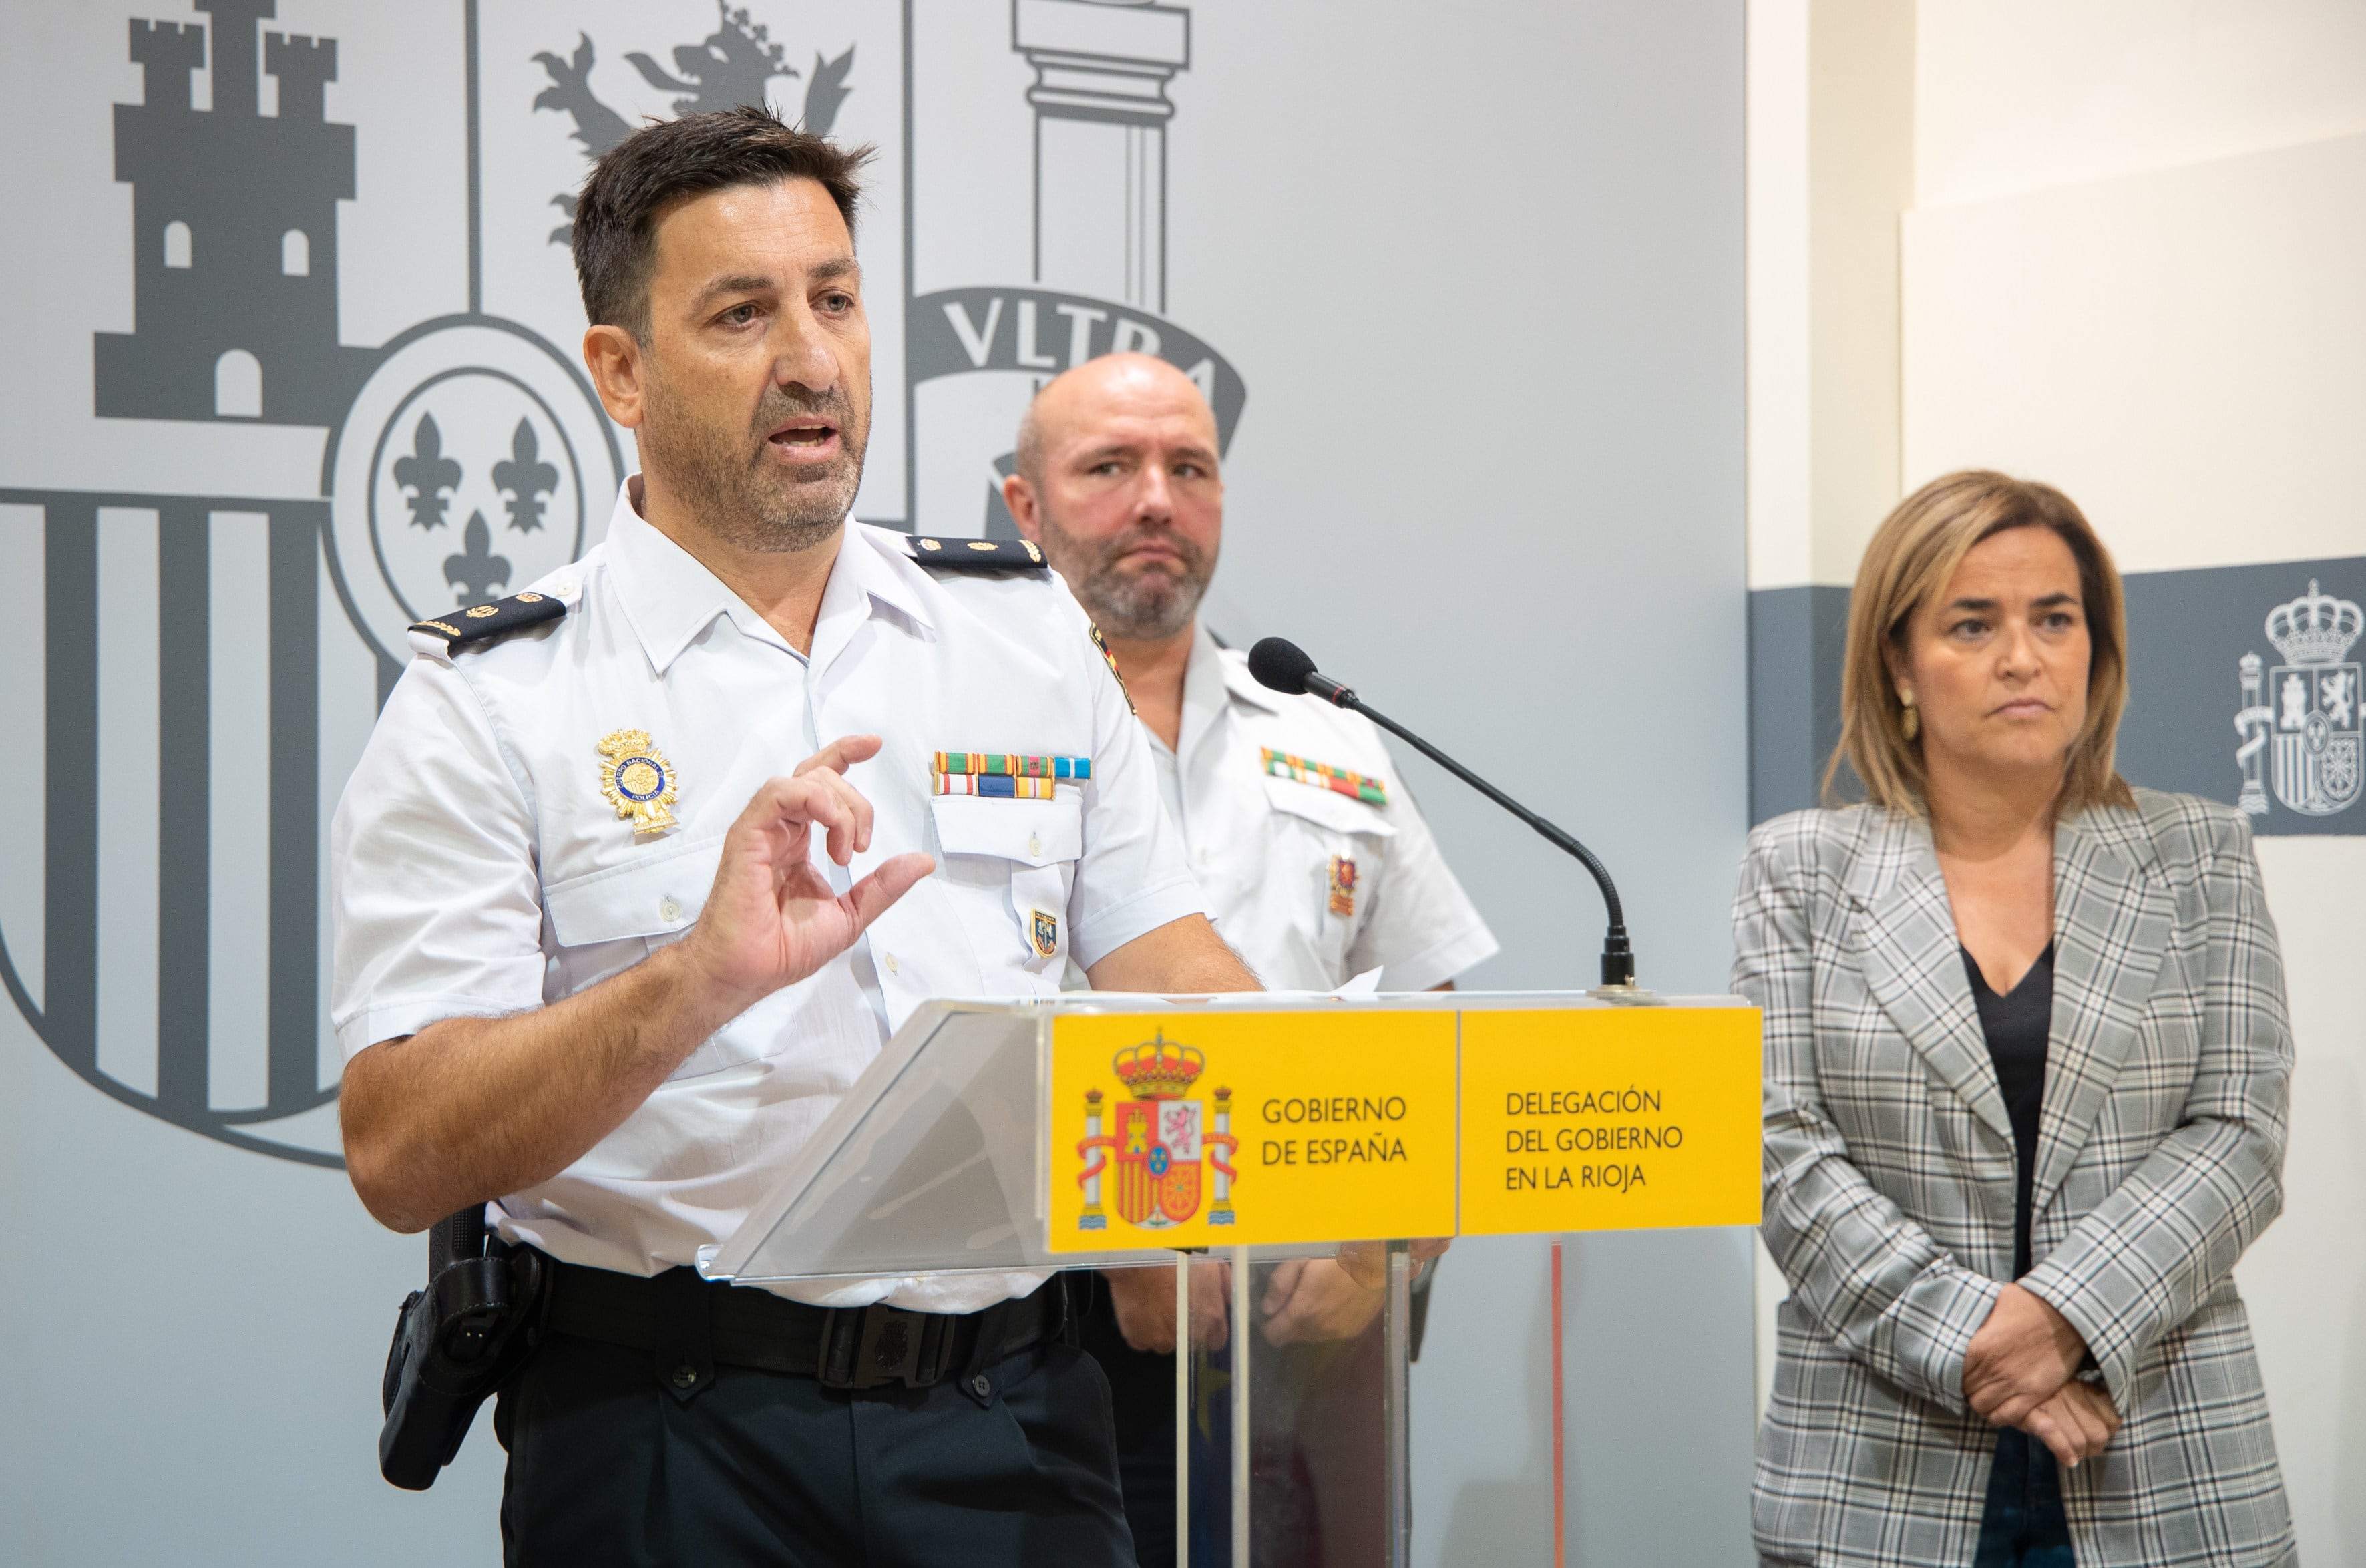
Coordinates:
[1889,1183]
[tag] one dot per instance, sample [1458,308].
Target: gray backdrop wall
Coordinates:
[1464,281]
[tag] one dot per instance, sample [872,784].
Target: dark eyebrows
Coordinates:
[831,271]
[738,283]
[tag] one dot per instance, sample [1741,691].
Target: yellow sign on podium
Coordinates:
[1236,1126]
[1591,1119]
[1238,1129]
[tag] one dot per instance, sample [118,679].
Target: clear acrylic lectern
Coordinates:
[1222,1138]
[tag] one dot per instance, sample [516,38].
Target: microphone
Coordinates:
[1282,666]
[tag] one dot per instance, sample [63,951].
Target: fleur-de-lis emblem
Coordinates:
[525,478]
[477,571]
[428,476]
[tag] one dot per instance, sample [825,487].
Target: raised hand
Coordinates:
[772,917]
[2020,1358]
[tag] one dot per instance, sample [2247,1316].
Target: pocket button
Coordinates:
[669,908]
[1035,845]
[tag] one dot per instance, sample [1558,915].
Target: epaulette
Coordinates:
[480,623]
[977,554]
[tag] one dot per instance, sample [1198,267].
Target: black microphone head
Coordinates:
[1281,664]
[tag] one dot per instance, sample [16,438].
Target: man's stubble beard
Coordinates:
[1146,606]
[721,475]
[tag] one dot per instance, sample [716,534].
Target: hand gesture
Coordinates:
[2020,1358]
[1310,1299]
[1367,1262]
[1145,1299]
[770,919]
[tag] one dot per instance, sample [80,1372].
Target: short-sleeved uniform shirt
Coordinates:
[478,869]
[1310,878]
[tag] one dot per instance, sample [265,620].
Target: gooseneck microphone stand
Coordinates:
[1283,666]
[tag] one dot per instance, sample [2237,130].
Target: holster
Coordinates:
[456,1344]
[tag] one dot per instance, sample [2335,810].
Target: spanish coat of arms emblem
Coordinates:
[2303,715]
[1161,1142]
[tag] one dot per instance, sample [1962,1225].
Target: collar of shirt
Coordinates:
[1211,686]
[670,596]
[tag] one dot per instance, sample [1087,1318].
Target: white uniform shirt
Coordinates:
[1269,850]
[477,870]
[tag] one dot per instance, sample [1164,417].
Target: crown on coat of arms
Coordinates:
[2315,629]
[1158,1070]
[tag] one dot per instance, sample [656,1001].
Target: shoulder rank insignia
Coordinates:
[1323,775]
[638,780]
[978,555]
[1110,659]
[478,623]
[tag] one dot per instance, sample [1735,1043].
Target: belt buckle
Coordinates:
[890,1346]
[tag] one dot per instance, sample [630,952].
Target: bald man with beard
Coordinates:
[1316,867]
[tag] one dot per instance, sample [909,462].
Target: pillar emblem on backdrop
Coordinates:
[2301,718]
[466,456]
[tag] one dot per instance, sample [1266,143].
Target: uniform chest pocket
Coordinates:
[611,920]
[654,900]
[1022,854]
[1327,850]
[1327,809]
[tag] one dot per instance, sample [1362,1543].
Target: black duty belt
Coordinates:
[692,1325]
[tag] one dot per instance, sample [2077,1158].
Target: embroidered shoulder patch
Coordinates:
[978,555]
[482,623]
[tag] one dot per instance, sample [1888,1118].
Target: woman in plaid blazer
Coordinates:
[1929,1408]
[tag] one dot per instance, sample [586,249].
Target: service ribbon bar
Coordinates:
[1008,764]
[1323,775]
[1001,786]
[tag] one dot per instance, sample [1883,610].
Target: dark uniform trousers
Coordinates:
[609,1466]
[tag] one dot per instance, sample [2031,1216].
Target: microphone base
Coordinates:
[1628,995]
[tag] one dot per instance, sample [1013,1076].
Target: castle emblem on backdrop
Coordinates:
[465,456]
[2303,715]
[1160,1141]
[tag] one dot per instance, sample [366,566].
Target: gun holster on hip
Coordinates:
[456,1344]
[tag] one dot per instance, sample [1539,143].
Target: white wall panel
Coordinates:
[2184,352]
[2306,1281]
[2020,95]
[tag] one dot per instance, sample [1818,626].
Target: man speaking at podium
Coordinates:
[591,970]
[1316,866]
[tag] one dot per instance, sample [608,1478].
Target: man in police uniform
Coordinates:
[591,970]
[1315,863]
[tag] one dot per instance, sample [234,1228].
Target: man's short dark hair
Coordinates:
[664,160]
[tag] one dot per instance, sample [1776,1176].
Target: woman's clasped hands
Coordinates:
[2022,1370]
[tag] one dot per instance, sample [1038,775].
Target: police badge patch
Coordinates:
[1044,932]
[638,780]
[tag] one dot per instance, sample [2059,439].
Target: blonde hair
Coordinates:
[1912,556]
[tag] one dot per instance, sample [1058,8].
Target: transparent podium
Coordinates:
[1239,1144]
